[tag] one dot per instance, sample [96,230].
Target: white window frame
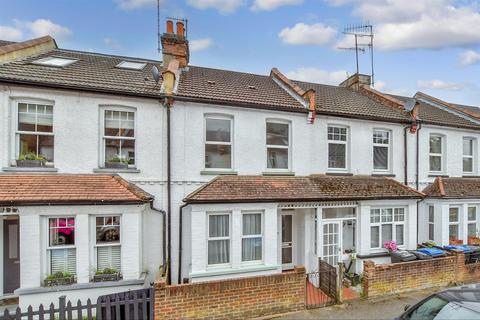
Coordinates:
[261,235]
[229,238]
[48,61]
[205,142]
[288,147]
[467,156]
[457,223]
[469,222]
[382,145]
[440,155]
[36,133]
[94,240]
[431,222]
[393,223]
[346,143]
[103,137]
[50,248]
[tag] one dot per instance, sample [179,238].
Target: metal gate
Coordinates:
[321,286]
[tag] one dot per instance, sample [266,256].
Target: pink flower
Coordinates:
[390,245]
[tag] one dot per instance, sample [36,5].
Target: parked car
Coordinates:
[454,303]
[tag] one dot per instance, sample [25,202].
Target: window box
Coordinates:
[116,165]
[474,241]
[101,277]
[455,241]
[59,279]
[30,163]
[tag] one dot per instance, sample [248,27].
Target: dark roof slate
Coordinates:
[456,188]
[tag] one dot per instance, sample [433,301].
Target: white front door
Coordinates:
[287,241]
[332,242]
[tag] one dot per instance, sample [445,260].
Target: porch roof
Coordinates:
[226,189]
[54,189]
[453,188]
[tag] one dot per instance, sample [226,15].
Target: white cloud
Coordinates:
[224,6]
[273,4]
[469,57]
[301,34]
[110,42]
[316,75]
[200,44]
[128,5]
[439,84]
[34,29]
[427,24]
[10,33]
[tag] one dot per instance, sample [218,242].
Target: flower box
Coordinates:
[455,242]
[30,163]
[63,281]
[107,277]
[473,241]
[116,165]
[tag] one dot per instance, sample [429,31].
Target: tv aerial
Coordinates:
[361,31]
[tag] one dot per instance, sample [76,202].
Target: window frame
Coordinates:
[346,143]
[393,223]
[382,145]
[45,61]
[475,222]
[288,147]
[18,132]
[261,236]
[441,155]
[49,248]
[205,142]
[472,156]
[94,239]
[103,137]
[229,238]
[454,223]
[431,222]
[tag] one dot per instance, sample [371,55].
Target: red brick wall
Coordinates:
[232,299]
[400,277]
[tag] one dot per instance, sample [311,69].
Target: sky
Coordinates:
[431,46]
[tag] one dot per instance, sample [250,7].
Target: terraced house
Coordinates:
[213,174]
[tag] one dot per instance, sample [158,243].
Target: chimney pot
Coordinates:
[169,26]
[180,29]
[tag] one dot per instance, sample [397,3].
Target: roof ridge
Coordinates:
[136,191]
[407,187]
[108,55]
[441,186]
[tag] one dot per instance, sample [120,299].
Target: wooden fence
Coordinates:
[129,305]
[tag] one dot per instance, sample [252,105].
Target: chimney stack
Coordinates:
[175,45]
[356,81]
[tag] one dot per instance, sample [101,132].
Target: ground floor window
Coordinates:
[107,246]
[472,221]
[61,249]
[252,237]
[387,224]
[218,239]
[453,223]
[431,221]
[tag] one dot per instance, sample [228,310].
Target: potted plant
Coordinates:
[474,240]
[390,246]
[30,160]
[455,241]
[117,162]
[107,274]
[59,279]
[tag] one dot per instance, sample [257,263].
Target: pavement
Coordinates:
[386,307]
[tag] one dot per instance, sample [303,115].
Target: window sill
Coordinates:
[386,174]
[467,175]
[374,255]
[225,271]
[29,169]
[108,170]
[338,173]
[433,175]
[218,173]
[278,173]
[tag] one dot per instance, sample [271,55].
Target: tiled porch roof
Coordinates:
[454,188]
[226,189]
[38,189]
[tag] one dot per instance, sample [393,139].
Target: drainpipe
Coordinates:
[180,245]
[168,103]
[405,155]
[418,155]
[164,233]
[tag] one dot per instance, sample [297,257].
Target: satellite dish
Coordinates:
[155,74]
[410,104]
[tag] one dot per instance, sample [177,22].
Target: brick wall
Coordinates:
[400,277]
[232,299]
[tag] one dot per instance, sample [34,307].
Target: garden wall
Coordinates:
[232,299]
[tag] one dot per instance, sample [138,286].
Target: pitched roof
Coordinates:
[308,188]
[454,188]
[30,189]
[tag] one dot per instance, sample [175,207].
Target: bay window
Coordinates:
[218,238]
[119,137]
[387,224]
[252,237]
[472,221]
[35,137]
[453,223]
[337,147]
[436,153]
[218,143]
[61,245]
[381,150]
[468,155]
[278,142]
[107,243]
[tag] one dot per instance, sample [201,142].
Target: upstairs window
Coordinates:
[108,248]
[61,250]
[218,143]
[436,153]
[35,131]
[381,150]
[278,142]
[337,147]
[468,155]
[119,138]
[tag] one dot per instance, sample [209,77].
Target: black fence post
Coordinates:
[61,308]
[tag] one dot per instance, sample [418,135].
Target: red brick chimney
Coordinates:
[175,45]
